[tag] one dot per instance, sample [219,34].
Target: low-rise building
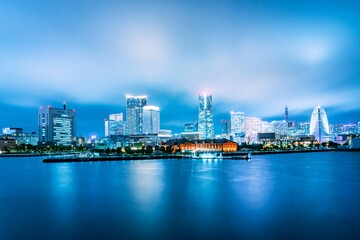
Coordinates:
[7,143]
[206,145]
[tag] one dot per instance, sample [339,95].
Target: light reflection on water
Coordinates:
[274,196]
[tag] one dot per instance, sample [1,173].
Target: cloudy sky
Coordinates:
[253,56]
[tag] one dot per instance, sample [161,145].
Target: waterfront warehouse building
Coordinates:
[57,126]
[319,125]
[205,121]
[134,113]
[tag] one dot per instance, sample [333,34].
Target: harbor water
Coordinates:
[285,196]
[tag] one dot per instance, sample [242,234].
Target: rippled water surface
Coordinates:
[287,196]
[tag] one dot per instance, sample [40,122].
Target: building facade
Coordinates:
[57,126]
[319,125]
[115,125]
[237,123]
[252,128]
[237,120]
[151,120]
[225,128]
[206,122]
[134,113]
[189,127]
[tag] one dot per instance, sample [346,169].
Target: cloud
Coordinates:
[251,65]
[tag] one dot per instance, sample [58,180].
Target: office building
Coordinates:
[134,113]
[12,131]
[189,127]
[280,127]
[267,127]
[115,125]
[252,128]
[57,126]
[237,122]
[151,120]
[206,122]
[225,128]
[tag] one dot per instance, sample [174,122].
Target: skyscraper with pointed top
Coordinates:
[286,114]
[206,122]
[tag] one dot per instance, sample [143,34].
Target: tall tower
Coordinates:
[319,125]
[237,120]
[115,125]
[134,113]
[57,126]
[151,120]
[287,114]
[252,128]
[206,122]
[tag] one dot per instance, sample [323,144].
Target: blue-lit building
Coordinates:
[134,113]
[206,122]
[237,123]
[190,127]
[115,125]
[151,120]
[319,125]
[57,126]
[225,128]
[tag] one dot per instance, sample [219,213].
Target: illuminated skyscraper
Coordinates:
[319,125]
[57,126]
[280,127]
[115,125]
[151,120]
[252,128]
[237,122]
[206,122]
[267,127]
[134,113]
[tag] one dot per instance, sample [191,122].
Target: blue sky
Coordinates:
[254,56]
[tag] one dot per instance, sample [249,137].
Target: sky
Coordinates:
[253,56]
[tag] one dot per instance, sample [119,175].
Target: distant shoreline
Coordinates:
[172,156]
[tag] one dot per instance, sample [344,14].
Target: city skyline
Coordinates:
[98,128]
[250,55]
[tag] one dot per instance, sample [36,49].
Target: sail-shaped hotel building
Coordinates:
[319,124]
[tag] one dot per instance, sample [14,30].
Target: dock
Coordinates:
[75,158]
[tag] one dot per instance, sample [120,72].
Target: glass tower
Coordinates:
[237,122]
[134,113]
[115,125]
[151,120]
[206,122]
[252,128]
[319,125]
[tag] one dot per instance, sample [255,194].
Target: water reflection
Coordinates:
[63,190]
[275,196]
[147,184]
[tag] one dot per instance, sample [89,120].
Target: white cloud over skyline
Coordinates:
[249,61]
